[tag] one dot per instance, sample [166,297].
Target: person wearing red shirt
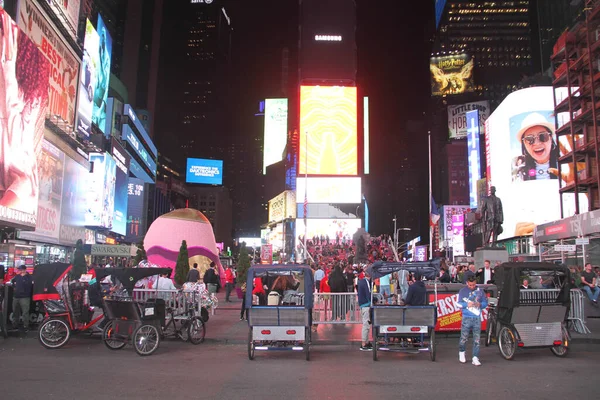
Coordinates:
[228,283]
[259,291]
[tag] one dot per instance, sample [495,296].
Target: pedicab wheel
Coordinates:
[196,330]
[108,333]
[432,347]
[204,314]
[563,349]
[146,339]
[307,343]
[250,345]
[507,343]
[54,333]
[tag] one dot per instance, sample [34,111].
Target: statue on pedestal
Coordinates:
[493,217]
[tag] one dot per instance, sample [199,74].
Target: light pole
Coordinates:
[396,230]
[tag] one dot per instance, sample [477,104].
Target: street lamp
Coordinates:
[396,230]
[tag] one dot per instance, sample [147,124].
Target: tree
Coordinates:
[242,265]
[183,264]
[140,255]
[79,265]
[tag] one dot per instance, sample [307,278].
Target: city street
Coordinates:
[213,370]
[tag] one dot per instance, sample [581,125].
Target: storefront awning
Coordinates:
[571,227]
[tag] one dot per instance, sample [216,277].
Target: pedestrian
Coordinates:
[243,310]
[319,275]
[211,278]
[228,283]
[22,291]
[472,300]
[194,274]
[364,302]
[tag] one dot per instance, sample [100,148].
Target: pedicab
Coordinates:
[279,326]
[400,328]
[530,318]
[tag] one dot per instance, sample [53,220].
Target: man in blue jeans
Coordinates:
[588,283]
[472,300]
[23,289]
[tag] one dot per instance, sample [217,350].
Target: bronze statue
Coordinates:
[493,217]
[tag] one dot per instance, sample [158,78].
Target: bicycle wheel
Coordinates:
[307,343]
[108,337]
[250,345]
[375,338]
[507,343]
[196,330]
[563,349]
[489,329]
[54,333]
[146,340]
[432,347]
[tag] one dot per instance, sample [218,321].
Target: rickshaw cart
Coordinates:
[280,327]
[530,318]
[412,326]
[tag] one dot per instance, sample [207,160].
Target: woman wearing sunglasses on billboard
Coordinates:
[538,147]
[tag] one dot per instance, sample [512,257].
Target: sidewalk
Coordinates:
[225,327]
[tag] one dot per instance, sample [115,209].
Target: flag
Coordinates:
[434,214]
[305,207]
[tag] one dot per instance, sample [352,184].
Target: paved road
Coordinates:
[86,369]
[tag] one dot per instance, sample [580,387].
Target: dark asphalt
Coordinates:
[86,369]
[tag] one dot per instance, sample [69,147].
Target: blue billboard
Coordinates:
[473,155]
[439,11]
[130,137]
[100,204]
[104,50]
[200,170]
[122,160]
[136,215]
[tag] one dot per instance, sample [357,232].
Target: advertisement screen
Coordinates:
[101,191]
[64,62]
[24,102]
[102,80]
[458,234]
[522,158]
[122,161]
[473,155]
[328,127]
[130,137]
[328,227]
[50,171]
[282,206]
[136,214]
[276,113]
[139,125]
[72,221]
[439,11]
[329,190]
[451,74]
[88,77]
[68,12]
[114,112]
[457,118]
[200,170]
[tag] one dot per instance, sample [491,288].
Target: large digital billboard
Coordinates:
[88,77]
[24,73]
[101,191]
[122,161]
[136,213]
[276,113]
[457,118]
[130,137]
[346,190]
[328,227]
[328,130]
[51,163]
[64,62]
[103,70]
[200,170]
[114,112]
[282,206]
[473,155]
[67,11]
[72,220]
[451,74]
[522,154]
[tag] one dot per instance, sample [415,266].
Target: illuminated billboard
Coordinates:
[23,103]
[346,190]
[328,227]
[275,140]
[457,118]
[136,212]
[72,221]
[448,212]
[88,80]
[114,112]
[67,11]
[366,135]
[451,74]
[473,155]
[458,234]
[122,161]
[328,131]
[200,170]
[101,191]
[63,60]
[103,77]
[282,206]
[522,155]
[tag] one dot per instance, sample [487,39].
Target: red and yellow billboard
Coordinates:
[328,126]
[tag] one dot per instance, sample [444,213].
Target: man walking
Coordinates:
[472,300]
[194,274]
[319,275]
[23,289]
[228,283]
[211,279]
[364,302]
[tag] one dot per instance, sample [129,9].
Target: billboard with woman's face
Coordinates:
[522,161]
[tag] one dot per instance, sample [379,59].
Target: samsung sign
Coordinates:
[200,170]
[473,155]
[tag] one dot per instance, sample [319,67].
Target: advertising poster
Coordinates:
[458,235]
[64,62]
[122,160]
[114,112]
[87,80]
[276,114]
[449,313]
[136,215]
[72,221]
[24,102]
[457,118]
[67,10]
[446,221]
[200,170]
[421,253]
[266,254]
[50,171]
[473,154]
[101,191]
[103,70]
[522,153]
[328,130]
[451,74]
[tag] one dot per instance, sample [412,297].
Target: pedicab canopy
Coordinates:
[509,276]
[269,271]
[429,270]
[129,276]
[46,277]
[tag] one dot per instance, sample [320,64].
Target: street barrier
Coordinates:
[179,300]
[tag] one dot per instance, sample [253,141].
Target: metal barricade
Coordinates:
[336,308]
[181,302]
